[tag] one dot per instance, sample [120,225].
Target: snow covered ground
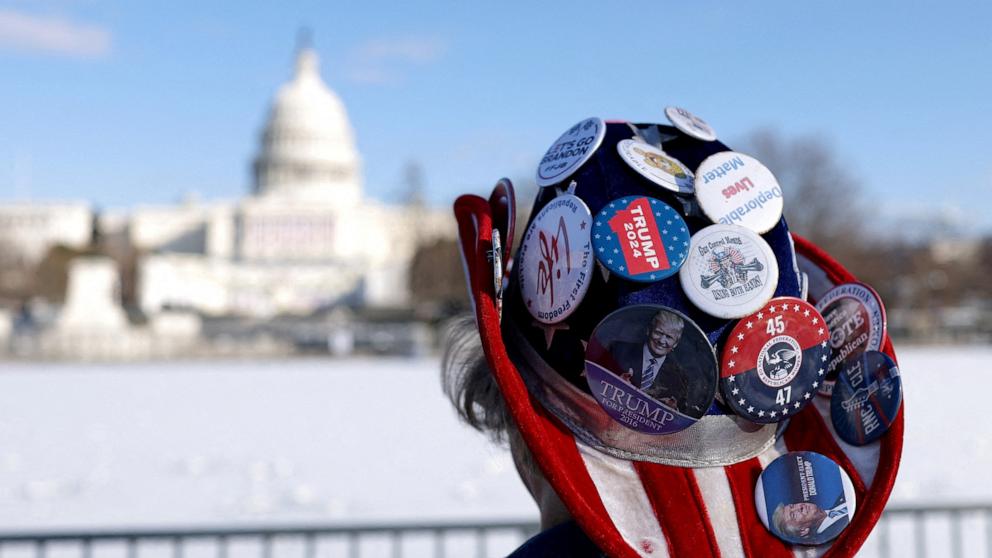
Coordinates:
[187,443]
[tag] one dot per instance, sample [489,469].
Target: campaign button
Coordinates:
[773,360]
[657,166]
[856,318]
[730,271]
[804,497]
[866,398]
[734,188]
[503,204]
[651,368]
[690,124]
[496,257]
[556,259]
[570,151]
[640,238]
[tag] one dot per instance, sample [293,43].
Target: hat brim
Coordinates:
[635,509]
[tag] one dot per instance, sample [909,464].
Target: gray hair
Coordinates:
[469,384]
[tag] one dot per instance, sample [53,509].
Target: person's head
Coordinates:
[664,333]
[798,520]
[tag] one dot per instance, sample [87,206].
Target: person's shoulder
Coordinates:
[564,540]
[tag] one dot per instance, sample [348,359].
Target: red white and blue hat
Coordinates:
[635,494]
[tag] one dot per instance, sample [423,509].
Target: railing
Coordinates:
[955,531]
[435,540]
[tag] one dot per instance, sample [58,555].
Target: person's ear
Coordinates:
[804,532]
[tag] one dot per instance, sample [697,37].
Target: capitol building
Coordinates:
[306,237]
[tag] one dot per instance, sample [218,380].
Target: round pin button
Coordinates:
[570,151]
[640,238]
[651,368]
[734,188]
[866,398]
[690,124]
[804,497]
[856,318]
[556,259]
[730,271]
[657,166]
[774,360]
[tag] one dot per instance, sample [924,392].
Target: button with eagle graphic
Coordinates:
[651,368]
[556,259]
[640,238]
[866,397]
[804,497]
[734,188]
[656,165]
[570,151]
[729,272]
[856,319]
[774,359]
[690,124]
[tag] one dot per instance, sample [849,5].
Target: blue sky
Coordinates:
[123,103]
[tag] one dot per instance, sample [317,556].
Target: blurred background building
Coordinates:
[304,262]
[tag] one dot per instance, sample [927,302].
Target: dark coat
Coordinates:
[672,379]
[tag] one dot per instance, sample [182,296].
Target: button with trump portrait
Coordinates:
[866,398]
[570,151]
[640,238]
[805,498]
[856,319]
[555,259]
[651,368]
[773,360]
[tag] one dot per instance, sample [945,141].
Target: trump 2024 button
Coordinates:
[640,238]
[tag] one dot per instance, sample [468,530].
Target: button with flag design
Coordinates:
[856,319]
[651,368]
[774,359]
[804,497]
[640,238]
[866,397]
[730,271]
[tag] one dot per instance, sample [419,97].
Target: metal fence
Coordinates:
[955,531]
[435,540]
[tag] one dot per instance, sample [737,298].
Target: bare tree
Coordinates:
[823,199]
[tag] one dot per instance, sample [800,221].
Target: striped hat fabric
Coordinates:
[691,494]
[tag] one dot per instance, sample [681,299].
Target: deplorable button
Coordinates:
[734,188]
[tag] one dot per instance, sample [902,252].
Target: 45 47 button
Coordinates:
[774,360]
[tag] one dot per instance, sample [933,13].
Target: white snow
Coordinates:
[187,443]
